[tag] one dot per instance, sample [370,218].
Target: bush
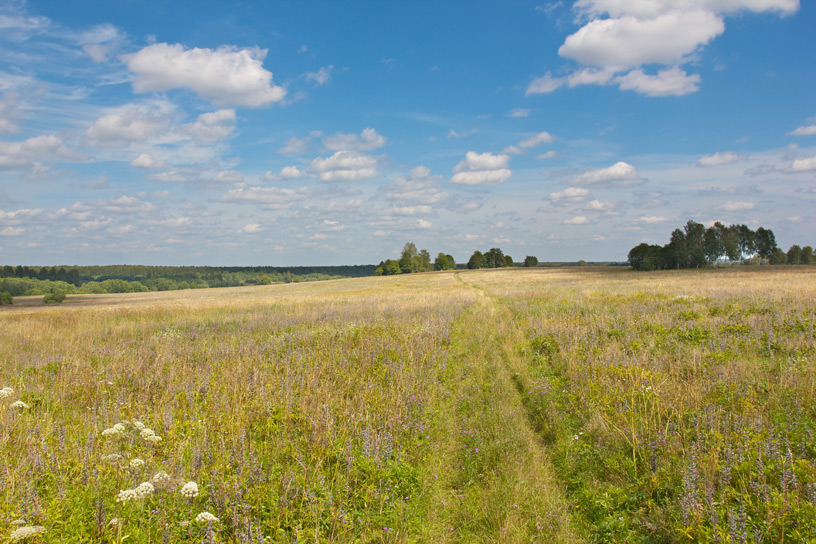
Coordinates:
[5,298]
[54,298]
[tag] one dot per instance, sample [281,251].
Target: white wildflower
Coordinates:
[189,490]
[6,392]
[139,425]
[161,477]
[144,432]
[110,432]
[184,523]
[18,522]
[154,439]
[25,532]
[206,517]
[127,495]
[144,489]
[19,404]
[136,463]
[111,457]
[120,427]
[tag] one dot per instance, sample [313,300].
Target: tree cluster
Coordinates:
[494,258]
[695,246]
[413,260]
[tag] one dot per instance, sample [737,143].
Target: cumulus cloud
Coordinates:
[146,161]
[170,176]
[620,173]
[547,155]
[652,219]
[598,206]
[12,231]
[519,112]
[570,194]
[295,146]
[481,169]
[733,206]
[720,159]
[29,153]
[252,228]
[367,140]
[226,76]
[809,130]
[577,220]
[345,166]
[9,112]
[419,189]
[760,170]
[619,37]
[131,123]
[211,127]
[533,141]
[229,176]
[799,165]
[100,41]
[321,77]
[268,197]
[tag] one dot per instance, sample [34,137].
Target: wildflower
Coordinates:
[144,432]
[184,523]
[6,392]
[18,522]
[139,425]
[160,477]
[110,432]
[206,517]
[136,463]
[144,489]
[154,439]
[19,404]
[120,427]
[111,457]
[24,532]
[189,490]
[127,495]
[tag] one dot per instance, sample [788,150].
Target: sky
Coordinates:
[324,133]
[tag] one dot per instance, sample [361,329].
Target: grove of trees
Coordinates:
[695,246]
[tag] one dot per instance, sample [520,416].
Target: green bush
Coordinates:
[5,298]
[54,298]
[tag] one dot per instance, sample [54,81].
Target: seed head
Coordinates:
[127,495]
[144,489]
[21,533]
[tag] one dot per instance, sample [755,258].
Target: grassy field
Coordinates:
[520,405]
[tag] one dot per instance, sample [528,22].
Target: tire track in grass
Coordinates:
[489,479]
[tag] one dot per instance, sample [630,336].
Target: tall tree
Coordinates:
[530,261]
[476,260]
[765,242]
[795,254]
[694,243]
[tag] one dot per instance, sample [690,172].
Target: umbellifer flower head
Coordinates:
[136,463]
[19,404]
[22,533]
[160,477]
[206,517]
[6,392]
[144,489]
[127,495]
[189,490]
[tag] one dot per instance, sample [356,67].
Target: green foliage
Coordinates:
[54,298]
[476,260]
[444,262]
[530,261]
[5,298]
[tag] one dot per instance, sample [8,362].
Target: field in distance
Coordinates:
[510,405]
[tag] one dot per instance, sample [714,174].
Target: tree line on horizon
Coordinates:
[413,260]
[695,246]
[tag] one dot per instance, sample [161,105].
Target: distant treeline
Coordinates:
[695,246]
[41,280]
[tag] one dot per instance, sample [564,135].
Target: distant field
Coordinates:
[511,405]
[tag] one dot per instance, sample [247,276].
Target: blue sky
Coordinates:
[297,133]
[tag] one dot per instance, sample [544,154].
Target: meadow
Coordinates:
[512,405]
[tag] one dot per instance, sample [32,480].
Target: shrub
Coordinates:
[54,298]
[5,298]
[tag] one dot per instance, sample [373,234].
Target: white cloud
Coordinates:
[321,77]
[368,140]
[131,123]
[652,219]
[269,197]
[547,155]
[252,228]
[100,41]
[170,176]
[146,161]
[481,169]
[226,76]
[424,224]
[20,214]
[803,165]
[577,220]
[629,42]
[671,82]
[519,112]
[12,231]
[620,173]
[345,166]
[720,159]
[9,112]
[570,193]
[809,130]
[456,134]
[29,153]
[229,176]
[291,172]
[410,210]
[598,206]
[211,127]
[533,141]
[732,206]
[544,84]
[655,8]
[295,146]
[418,188]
